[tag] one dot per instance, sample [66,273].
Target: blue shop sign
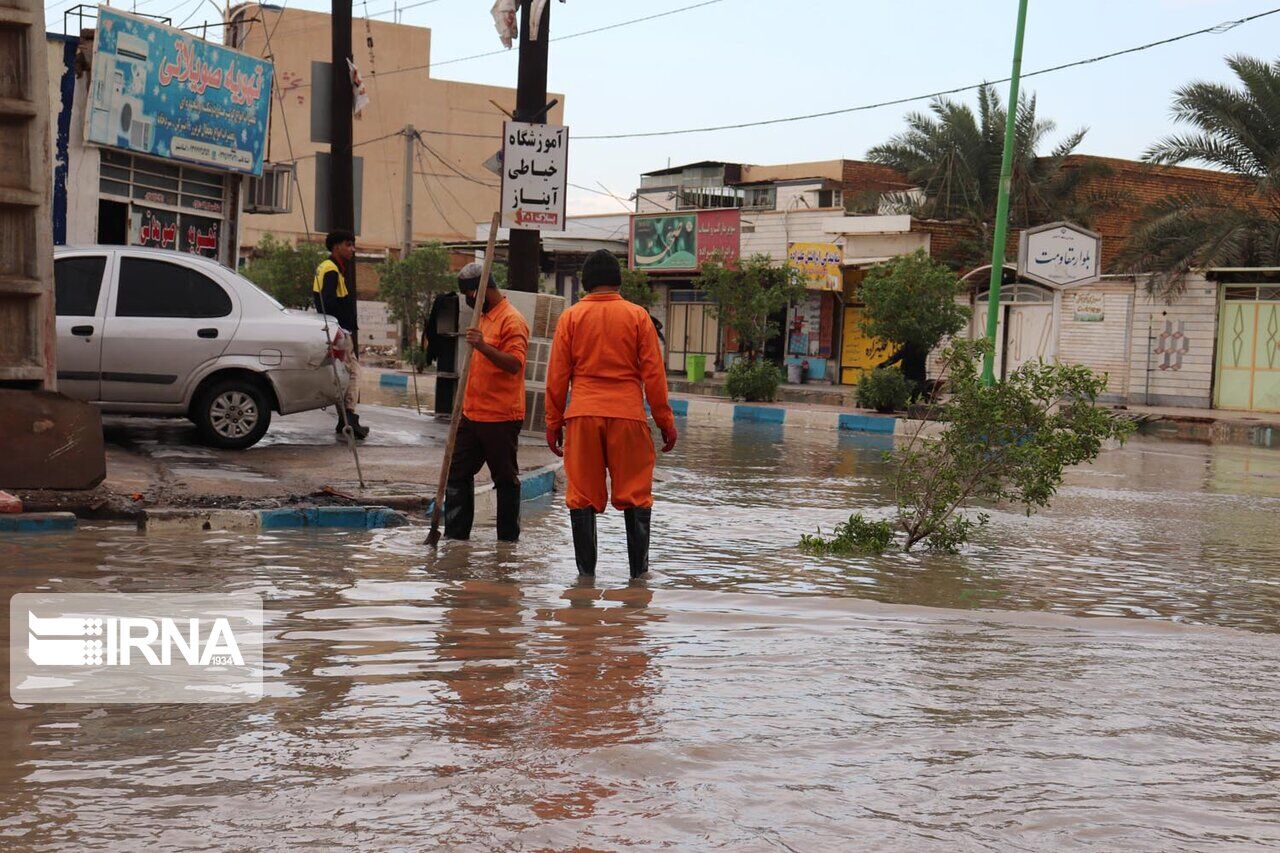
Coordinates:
[157,90]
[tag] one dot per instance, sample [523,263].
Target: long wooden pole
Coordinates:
[433,538]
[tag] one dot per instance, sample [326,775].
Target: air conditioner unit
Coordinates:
[272,192]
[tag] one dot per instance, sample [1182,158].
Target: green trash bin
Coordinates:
[695,367]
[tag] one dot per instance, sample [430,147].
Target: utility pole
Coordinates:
[410,137]
[525,250]
[1002,203]
[342,207]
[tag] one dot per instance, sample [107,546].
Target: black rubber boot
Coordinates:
[637,522]
[508,512]
[583,522]
[341,423]
[459,510]
[360,432]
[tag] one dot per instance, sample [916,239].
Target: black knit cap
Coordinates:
[601,269]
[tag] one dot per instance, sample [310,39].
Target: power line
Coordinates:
[466,177]
[1216,29]
[566,37]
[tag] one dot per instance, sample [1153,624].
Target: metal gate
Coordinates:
[692,328]
[1248,369]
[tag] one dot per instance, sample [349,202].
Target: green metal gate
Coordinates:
[1248,374]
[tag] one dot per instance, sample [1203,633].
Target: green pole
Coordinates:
[1002,202]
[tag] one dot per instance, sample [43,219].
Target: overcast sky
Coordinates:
[742,60]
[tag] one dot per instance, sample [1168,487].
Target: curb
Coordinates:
[37,522]
[533,484]
[393,380]
[703,410]
[196,520]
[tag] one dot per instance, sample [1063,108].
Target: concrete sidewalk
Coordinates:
[157,462]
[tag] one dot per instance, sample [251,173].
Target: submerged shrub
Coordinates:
[855,536]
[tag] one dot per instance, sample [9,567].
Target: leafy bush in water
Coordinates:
[884,389]
[756,381]
[1005,443]
[855,536]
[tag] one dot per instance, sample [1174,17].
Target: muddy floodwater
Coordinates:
[1101,676]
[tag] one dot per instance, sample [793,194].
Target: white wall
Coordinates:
[1190,382]
[1101,346]
[82,165]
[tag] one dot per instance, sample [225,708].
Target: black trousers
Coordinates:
[480,444]
[493,444]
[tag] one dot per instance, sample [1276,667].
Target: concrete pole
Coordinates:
[410,137]
[342,207]
[525,249]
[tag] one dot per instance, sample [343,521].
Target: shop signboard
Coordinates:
[166,229]
[199,235]
[683,242]
[154,228]
[159,91]
[535,171]
[821,264]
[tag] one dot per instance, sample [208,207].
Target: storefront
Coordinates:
[155,132]
[143,201]
[671,248]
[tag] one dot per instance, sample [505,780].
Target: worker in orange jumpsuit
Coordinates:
[607,349]
[492,412]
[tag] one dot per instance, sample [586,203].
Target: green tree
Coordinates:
[408,284]
[744,297]
[284,271]
[953,154]
[911,303]
[1236,130]
[637,289]
[1008,443]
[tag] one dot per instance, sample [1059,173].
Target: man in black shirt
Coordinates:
[333,296]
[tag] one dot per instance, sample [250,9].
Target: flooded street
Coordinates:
[1099,676]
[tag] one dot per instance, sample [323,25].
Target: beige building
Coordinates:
[452,191]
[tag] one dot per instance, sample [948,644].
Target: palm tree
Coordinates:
[1238,132]
[954,156]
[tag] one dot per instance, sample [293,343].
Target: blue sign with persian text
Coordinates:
[157,90]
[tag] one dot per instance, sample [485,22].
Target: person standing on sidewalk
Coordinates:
[331,295]
[607,349]
[492,412]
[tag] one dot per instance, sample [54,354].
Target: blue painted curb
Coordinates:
[763,414]
[395,380]
[37,522]
[680,408]
[537,485]
[355,517]
[883,424]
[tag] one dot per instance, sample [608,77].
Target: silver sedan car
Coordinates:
[157,332]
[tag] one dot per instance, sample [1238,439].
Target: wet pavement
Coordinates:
[160,462]
[1101,676]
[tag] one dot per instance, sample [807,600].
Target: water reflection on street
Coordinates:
[1102,675]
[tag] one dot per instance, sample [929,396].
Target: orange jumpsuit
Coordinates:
[607,349]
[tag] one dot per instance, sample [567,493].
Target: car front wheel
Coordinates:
[232,414]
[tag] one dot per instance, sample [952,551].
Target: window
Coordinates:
[829,198]
[77,282]
[763,198]
[150,288]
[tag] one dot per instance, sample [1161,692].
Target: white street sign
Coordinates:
[535,161]
[1060,254]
